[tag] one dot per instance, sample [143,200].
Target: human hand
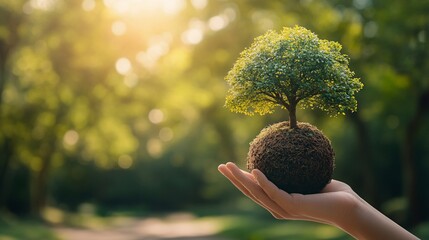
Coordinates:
[337,204]
[333,204]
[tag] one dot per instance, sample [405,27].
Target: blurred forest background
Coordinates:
[119,104]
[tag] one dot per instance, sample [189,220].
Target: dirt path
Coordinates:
[173,227]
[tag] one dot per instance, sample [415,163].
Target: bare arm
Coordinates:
[337,205]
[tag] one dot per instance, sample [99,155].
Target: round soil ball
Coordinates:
[297,160]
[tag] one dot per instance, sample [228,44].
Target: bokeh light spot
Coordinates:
[166,134]
[71,137]
[192,36]
[131,80]
[218,22]
[172,7]
[88,5]
[154,147]
[199,4]
[370,29]
[156,116]
[123,66]
[42,4]
[230,13]
[125,161]
[119,28]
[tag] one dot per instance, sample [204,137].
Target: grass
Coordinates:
[246,221]
[241,221]
[14,229]
[253,227]
[245,224]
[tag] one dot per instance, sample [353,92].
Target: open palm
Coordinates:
[337,204]
[333,203]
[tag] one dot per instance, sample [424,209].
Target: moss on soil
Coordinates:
[297,160]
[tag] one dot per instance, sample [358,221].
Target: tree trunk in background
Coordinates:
[409,164]
[6,152]
[7,45]
[366,158]
[39,188]
[5,163]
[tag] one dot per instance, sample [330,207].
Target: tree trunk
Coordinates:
[410,177]
[6,47]
[6,146]
[292,116]
[365,157]
[5,163]
[409,163]
[39,190]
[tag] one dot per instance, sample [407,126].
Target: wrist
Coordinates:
[366,222]
[352,217]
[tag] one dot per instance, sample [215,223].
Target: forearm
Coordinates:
[369,223]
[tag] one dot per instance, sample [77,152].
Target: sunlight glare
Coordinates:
[172,7]
[45,5]
[118,6]
[199,4]
[125,7]
[192,36]
[158,47]
[88,5]
[146,60]
[123,66]
[119,28]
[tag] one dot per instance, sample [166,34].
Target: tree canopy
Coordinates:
[290,67]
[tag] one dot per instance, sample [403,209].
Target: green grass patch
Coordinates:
[13,229]
[255,228]
[245,220]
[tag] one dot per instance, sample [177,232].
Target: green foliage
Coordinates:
[13,229]
[64,104]
[283,69]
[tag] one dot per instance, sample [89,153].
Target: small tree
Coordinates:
[291,67]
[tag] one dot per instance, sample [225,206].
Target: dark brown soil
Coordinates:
[296,160]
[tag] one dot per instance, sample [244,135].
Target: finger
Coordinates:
[227,173]
[270,188]
[289,202]
[335,186]
[256,190]
[338,186]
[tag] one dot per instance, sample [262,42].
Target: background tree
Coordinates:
[121,98]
